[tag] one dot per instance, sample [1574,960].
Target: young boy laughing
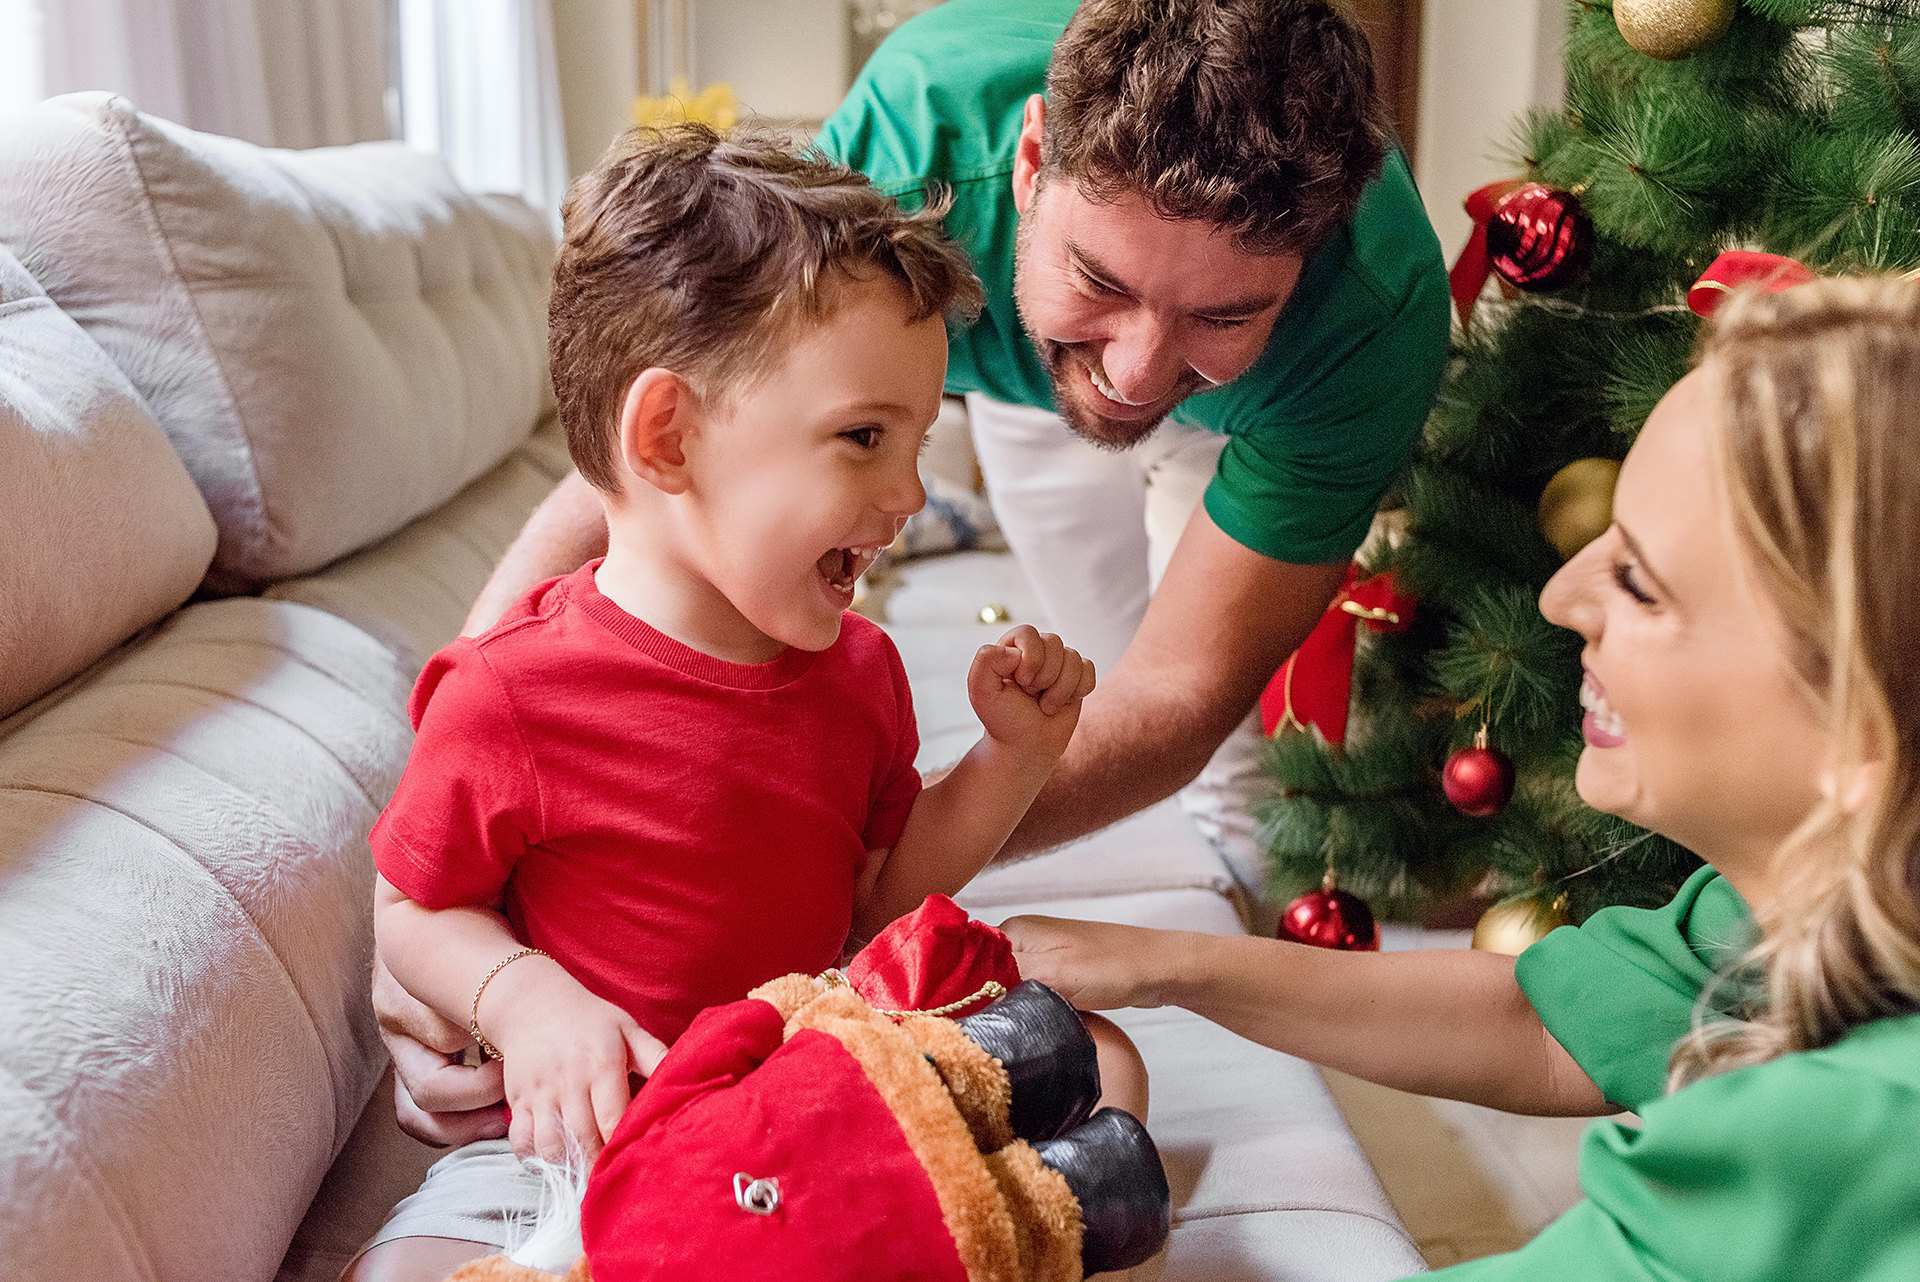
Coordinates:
[685,769]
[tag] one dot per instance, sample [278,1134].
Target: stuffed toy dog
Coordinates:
[924,1116]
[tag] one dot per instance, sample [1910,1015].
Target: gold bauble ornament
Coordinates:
[1669,29]
[993,612]
[1514,925]
[1577,506]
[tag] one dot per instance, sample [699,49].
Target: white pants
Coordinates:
[1093,530]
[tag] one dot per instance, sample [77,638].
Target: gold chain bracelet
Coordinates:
[487,1048]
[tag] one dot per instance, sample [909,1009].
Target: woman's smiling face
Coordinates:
[1696,725]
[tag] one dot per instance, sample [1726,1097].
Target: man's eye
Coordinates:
[865,437]
[1224,322]
[1094,282]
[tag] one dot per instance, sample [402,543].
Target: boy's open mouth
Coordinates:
[841,566]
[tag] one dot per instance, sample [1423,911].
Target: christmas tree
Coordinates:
[1691,127]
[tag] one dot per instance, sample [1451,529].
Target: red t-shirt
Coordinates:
[674,829]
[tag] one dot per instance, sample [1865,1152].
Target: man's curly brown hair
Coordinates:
[1259,116]
[706,255]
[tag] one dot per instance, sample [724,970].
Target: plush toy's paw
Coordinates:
[1114,1170]
[972,1076]
[1052,1068]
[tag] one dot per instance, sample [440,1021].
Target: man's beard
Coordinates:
[1096,429]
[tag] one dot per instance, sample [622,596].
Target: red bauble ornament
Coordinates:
[1331,918]
[1478,780]
[1539,238]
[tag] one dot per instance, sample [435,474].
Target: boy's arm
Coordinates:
[954,829]
[439,955]
[1027,691]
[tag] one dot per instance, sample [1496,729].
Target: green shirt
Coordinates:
[1324,417]
[1802,1169]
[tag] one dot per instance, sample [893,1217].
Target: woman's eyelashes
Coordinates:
[1624,579]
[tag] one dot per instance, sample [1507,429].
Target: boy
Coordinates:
[684,769]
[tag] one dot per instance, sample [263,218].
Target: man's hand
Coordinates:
[1027,689]
[437,1098]
[569,1058]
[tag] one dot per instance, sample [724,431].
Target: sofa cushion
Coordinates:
[336,340]
[103,530]
[412,590]
[184,900]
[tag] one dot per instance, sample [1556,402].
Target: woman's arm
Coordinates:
[1449,1023]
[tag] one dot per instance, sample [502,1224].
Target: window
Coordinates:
[22,73]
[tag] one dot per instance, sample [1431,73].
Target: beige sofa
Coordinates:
[267,419]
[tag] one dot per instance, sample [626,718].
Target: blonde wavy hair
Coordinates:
[1817,450]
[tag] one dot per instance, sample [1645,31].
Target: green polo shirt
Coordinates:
[1321,421]
[1801,1169]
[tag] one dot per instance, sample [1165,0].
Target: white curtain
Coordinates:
[479,84]
[283,73]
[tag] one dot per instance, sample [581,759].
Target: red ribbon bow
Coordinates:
[1315,685]
[1469,273]
[1770,273]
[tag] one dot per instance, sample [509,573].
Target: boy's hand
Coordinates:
[1027,689]
[567,1056]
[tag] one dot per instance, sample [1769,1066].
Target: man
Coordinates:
[1216,318]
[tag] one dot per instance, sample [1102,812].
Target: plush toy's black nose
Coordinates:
[1038,1038]
[1126,1210]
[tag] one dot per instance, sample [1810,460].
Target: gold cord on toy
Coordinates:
[487,1048]
[992,990]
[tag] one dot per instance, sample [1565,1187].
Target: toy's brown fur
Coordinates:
[974,1079]
[498,1268]
[1012,1219]
[970,1204]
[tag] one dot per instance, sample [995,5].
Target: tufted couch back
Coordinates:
[335,341]
[221,366]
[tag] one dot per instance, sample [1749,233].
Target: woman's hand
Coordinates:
[1094,965]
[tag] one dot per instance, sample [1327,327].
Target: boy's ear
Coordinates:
[655,417]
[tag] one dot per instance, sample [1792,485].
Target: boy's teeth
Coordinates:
[841,566]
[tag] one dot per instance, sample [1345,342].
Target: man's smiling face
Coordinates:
[1132,312]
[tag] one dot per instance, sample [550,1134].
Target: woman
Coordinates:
[1753,686]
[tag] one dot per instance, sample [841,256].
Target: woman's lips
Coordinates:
[1601,727]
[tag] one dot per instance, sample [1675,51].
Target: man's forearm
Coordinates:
[1129,751]
[1218,627]
[567,530]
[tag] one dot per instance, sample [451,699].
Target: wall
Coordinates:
[1482,63]
[787,60]
[597,46]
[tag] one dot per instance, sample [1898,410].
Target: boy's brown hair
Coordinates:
[1259,116]
[687,251]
